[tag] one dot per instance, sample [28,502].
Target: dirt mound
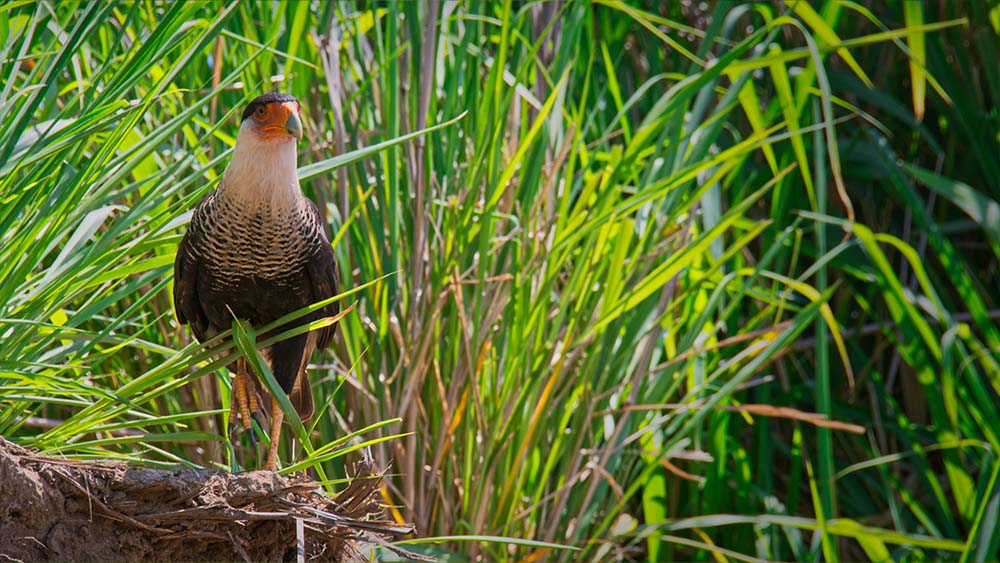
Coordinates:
[58,510]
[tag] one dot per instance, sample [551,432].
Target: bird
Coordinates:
[255,250]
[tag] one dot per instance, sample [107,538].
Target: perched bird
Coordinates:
[257,249]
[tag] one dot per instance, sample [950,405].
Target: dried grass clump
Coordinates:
[54,509]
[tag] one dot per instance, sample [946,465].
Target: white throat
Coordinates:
[262,173]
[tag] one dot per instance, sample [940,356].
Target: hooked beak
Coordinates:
[292,124]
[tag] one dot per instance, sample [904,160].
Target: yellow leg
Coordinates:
[277,417]
[238,397]
[253,407]
[244,402]
[244,394]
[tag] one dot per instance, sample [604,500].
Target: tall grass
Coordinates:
[650,282]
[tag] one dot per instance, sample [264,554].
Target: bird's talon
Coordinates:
[260,418]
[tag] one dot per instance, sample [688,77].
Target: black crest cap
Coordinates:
[265,99]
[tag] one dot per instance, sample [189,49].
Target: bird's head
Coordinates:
[272,118]
[263,170]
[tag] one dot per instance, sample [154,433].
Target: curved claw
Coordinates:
[253,436]
[260,418]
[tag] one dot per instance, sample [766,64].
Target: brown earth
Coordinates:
[59,510]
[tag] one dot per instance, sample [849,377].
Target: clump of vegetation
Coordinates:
[660,282]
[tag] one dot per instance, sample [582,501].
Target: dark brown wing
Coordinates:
[324,275]
[187,305]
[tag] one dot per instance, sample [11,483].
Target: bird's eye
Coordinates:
[261,111]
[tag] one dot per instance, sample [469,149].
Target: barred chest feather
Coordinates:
[256,249]
[241,244]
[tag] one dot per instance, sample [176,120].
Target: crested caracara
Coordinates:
[257,249]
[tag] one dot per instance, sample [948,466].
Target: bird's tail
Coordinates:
[302,396]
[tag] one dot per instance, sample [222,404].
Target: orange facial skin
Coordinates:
[278,120]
